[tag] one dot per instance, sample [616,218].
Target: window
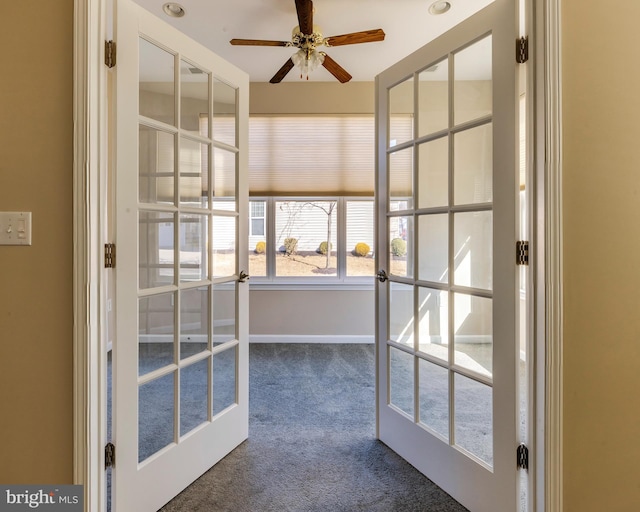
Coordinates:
[257,218]
[306,238]
[257,239]
[360,238]
[311,182]
[313,239]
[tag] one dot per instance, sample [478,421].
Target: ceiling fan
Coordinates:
[307,37]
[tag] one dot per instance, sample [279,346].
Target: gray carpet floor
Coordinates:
[312,444]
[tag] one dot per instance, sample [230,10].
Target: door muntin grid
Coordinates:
[442,347]
[188,187]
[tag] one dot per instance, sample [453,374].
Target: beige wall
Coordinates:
[312,98]
[312,313]
[602,244]
[36,156]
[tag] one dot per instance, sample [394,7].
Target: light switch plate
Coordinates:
[15,228]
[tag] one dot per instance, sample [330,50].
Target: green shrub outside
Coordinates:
[398,247]
[323,248]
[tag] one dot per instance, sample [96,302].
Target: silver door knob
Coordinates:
[382,276]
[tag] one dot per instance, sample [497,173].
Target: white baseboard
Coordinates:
[299,338]
[267,338]
[312,338]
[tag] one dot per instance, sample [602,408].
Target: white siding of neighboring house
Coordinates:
[306,223]
[360,224]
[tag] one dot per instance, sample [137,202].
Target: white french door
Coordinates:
[446,300]
[181,351]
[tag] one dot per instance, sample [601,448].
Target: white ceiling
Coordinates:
[407,24]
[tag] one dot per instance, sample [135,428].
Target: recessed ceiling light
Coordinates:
[174,10]
[439,8]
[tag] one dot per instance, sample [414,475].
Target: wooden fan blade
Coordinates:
[282,72]
[366,36]
[336,69]
[257,42]
[304,8]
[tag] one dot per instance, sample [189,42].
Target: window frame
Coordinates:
[338,281]
[253,217]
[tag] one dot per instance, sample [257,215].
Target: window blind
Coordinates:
[311,155]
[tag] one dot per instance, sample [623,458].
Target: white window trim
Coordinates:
[338,282]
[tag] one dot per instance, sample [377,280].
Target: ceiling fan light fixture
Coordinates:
[307,61]
[174,10]
[439,7]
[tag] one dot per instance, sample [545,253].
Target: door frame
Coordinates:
[546,164]
[90,150]
[90,76]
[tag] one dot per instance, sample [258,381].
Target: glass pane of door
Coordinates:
[194,385]
[225,368]
[473,89]
[155,166]
[156,91]
[194,321]
[433,94]
[433,322]
[474,417]
[434,397]
[401,380]
[225,101]
[156,317]
[401,112]
[155,417]
[194,173]
[433,174]
[194,98]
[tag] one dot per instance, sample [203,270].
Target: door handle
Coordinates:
[382,276]
[242,277]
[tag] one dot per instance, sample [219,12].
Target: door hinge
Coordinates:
[109,455]
[110,53]
[522,50]
[109,255]
[522,454]
[522,252]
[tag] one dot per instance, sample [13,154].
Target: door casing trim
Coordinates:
[89,175]
[549,268]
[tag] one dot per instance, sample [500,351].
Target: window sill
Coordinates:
[322,283]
